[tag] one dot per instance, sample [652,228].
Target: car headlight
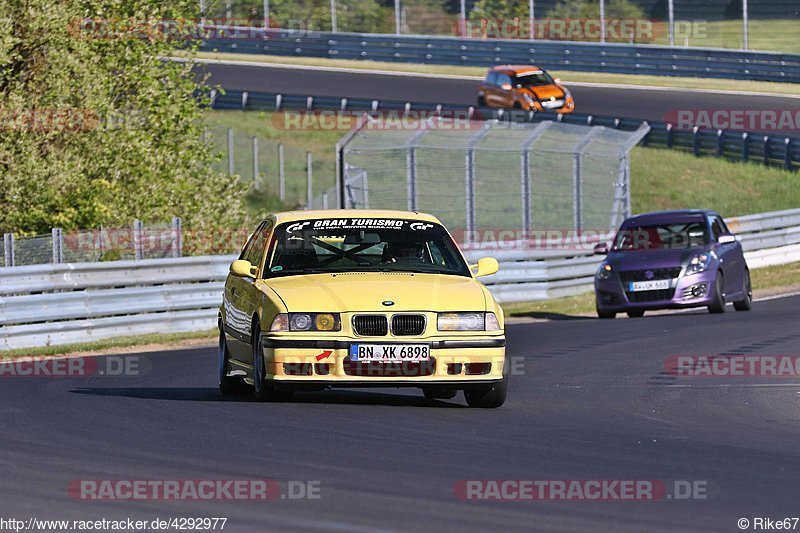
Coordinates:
[698,263]
[307,322]
[528,98]
[604,272]
[467,322]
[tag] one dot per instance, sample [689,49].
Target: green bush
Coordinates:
[98,129]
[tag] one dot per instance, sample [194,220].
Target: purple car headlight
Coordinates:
[698,263]
[604,272]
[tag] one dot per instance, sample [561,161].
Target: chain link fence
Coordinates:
[486,179]
[154,241]
[281,169]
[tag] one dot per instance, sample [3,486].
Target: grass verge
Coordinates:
[156,340]
[480,72]
[765,280]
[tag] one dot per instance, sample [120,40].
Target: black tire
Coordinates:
[438,393]
[606,314]
[489,397]
[481,101]
[746,303]
[228,385]
[264,389]
[718,304]
[638,313]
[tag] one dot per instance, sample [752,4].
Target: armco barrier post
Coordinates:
[58,245]
[177,237]
[8,247]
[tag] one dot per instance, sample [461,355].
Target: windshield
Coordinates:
[363,245]
[681,236]
[533,79]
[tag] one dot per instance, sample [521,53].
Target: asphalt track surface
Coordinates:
[646,104]
[589,400]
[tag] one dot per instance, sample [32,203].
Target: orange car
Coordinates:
[524,87]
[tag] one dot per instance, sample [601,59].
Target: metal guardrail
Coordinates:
[78,302]
[587,57]
[774,150]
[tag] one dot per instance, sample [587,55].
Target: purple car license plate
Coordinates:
[653,285]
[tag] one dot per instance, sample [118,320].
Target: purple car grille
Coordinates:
[650,296]
[649,274]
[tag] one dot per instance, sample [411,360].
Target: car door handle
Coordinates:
[233,291]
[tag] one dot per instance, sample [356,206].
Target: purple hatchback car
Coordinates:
[672,259]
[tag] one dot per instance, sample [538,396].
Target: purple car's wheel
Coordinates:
[746,303]
[606,314]
[718,303]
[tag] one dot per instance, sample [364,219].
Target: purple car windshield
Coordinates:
[680,236]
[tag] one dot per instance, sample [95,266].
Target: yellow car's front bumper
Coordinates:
[454,362]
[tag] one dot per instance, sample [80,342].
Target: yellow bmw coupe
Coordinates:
[358,298]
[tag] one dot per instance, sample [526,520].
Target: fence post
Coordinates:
[256,177]
[469,179]
[8,245]
[577,179]
[309,180]
[527,186]
[138,239]
[281,175]
[720,143]
[58,245]
[411,169]
[670,136]
[411,178]
[788,153]
[325,200]
[177,237]
[230,152]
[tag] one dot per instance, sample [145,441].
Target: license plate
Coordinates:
[552,103]
[654,285]
[390,353]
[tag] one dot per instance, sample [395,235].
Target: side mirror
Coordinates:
[243,269]
[601,249]
[726,238]
[557,81]
[486,266]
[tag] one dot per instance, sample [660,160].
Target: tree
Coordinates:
[98,129]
